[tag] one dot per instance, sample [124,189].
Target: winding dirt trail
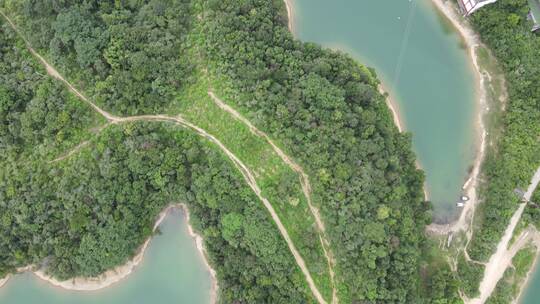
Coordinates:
[244,170]
[304,181]
[502,258]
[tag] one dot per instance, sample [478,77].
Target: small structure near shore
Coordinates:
[462,201]
[470,6]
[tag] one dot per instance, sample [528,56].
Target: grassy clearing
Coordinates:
[469,275]
[279,183]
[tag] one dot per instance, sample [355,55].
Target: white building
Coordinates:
[469,6]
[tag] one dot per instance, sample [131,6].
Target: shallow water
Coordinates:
[172,272]
[422,62]
[531,295]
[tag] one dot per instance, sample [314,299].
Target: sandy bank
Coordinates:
[290,16]
[392,105]
[119,273]
[471,40]
[4,280]
[200,247]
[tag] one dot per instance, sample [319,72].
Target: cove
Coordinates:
[172,272]
[422,63]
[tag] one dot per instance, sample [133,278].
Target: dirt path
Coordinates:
[78,147]
[244,170]
[304,181]
[502,257]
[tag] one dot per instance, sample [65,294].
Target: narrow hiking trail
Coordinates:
[304,181]
[244,170]
[78,147]
[502,258]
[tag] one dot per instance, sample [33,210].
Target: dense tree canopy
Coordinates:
[326,110]
[504,27]
[134,57]
[512,161]
[127,55]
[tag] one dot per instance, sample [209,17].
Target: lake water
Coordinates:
[172,272]
[426,71]
[531,295]
[421,61]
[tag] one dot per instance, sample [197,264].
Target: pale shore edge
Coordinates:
[4,280]
[119,273]
[199,241]
[470,186]
[398,121]
[392,105]
[290,16]
[526,282]
[390,102]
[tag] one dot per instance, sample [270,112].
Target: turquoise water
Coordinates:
[172,272]
[531,294]
[422,63]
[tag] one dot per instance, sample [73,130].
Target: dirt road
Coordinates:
[304,181]
[502,258]
[244,170]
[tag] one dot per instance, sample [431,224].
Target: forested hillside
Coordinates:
[92,211]
[127,57]
[504,28]
[148,57]
[326,110]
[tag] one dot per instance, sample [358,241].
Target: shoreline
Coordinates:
[3,281]
[398,121]
[470,186]
[117,274]
[527,280]
[199,242]
[290,16]
[392,105]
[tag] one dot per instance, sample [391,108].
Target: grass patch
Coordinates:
[279,183]
[509,286]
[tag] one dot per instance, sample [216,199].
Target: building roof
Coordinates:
[469,6]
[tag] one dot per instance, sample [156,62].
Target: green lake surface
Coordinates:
[531,294]
[172,272]
[423,65]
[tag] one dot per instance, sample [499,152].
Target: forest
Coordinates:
[326,110]
[504,28]
[506,31]
[139,57]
